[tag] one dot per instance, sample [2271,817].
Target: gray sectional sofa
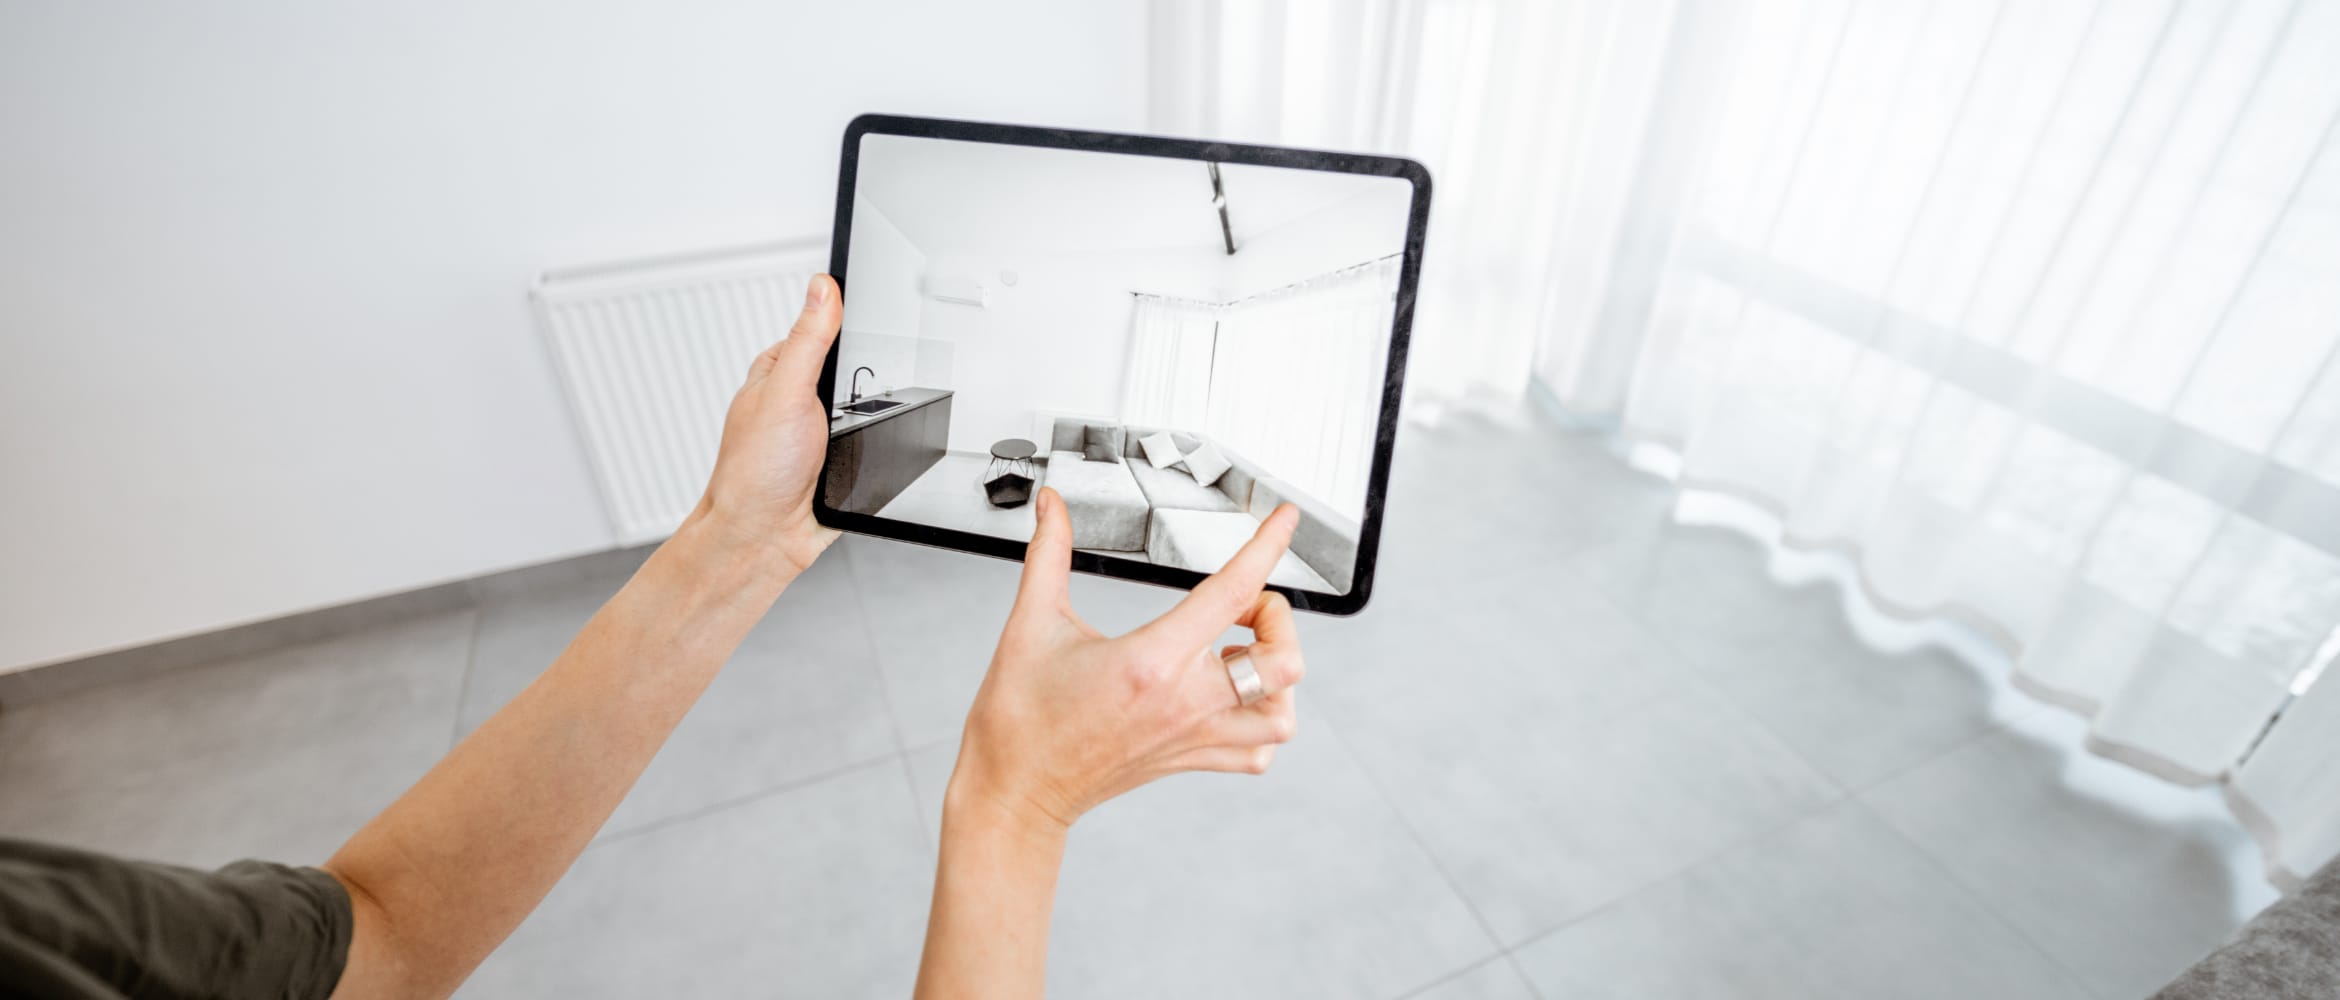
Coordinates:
[1130,506]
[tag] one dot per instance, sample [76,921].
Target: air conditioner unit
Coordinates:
[964,289]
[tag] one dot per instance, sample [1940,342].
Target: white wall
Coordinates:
[1079,230]
[1057,341]
[264,344]
[886,276]
[881,328]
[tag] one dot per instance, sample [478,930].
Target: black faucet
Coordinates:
[857,382]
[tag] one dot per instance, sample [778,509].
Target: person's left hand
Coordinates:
[774,440]
[1068,717]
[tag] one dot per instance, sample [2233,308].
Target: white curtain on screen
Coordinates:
[1290,378]
[2030,308]
[1169,363]
[1297,383]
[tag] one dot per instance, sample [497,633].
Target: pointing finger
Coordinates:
[1231,592]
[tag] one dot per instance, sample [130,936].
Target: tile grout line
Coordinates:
[463,687]
[1993,723]
[1456,974]
[712,808]
[918,807]
[886,696]
[1510,952]
[1511,957]
[1689,675]
[1672,874]
[930,744]
[1976,896]
[917,802]
[1687,666]
[1436,863]
[876,656]
[893,728]
[1996,727]
[1848,791]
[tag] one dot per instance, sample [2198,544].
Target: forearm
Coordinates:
[445,873]
[994,889]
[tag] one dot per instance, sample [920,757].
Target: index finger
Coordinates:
[1229,593]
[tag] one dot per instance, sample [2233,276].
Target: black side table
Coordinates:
[1008,478]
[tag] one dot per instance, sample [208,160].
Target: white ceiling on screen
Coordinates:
[970,197]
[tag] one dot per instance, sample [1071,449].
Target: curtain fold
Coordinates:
[1169,379]
[1290,378]
[1297,382]
[2031,309]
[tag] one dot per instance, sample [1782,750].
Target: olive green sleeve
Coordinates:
[148,930]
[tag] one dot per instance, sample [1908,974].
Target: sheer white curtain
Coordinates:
[1297,384]
[1170,343]
[1289,378]
[2030,308]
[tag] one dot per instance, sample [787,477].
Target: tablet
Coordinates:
[1176,336]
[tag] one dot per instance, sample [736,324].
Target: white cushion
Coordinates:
[1161,450]
[1207,464]
[1107,509]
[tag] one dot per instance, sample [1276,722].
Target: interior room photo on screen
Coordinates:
[1175,346]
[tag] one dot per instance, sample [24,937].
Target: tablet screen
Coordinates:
[1176,337]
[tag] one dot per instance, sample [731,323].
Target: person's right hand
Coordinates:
[1068,718]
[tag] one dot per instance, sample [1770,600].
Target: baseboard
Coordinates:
[243,641]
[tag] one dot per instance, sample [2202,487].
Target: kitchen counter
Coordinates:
[911,399]
[873,457]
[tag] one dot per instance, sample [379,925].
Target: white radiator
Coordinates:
[650,352]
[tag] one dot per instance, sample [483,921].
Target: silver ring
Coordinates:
[1248,689]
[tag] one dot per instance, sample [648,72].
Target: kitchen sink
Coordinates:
[871,406]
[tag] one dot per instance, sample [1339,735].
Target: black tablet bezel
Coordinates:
[1393,384]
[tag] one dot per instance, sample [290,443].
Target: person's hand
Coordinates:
[774,440]
[1068,718]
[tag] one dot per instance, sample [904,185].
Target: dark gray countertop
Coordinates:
[911,398]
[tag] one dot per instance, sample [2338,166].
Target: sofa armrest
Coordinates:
[1324,540]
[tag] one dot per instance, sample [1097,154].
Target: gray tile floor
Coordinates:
[1575,749]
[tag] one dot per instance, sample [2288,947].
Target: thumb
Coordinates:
[797,358]
[1047,584]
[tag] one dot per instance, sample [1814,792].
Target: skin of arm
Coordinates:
[1068,718]
[443,875]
